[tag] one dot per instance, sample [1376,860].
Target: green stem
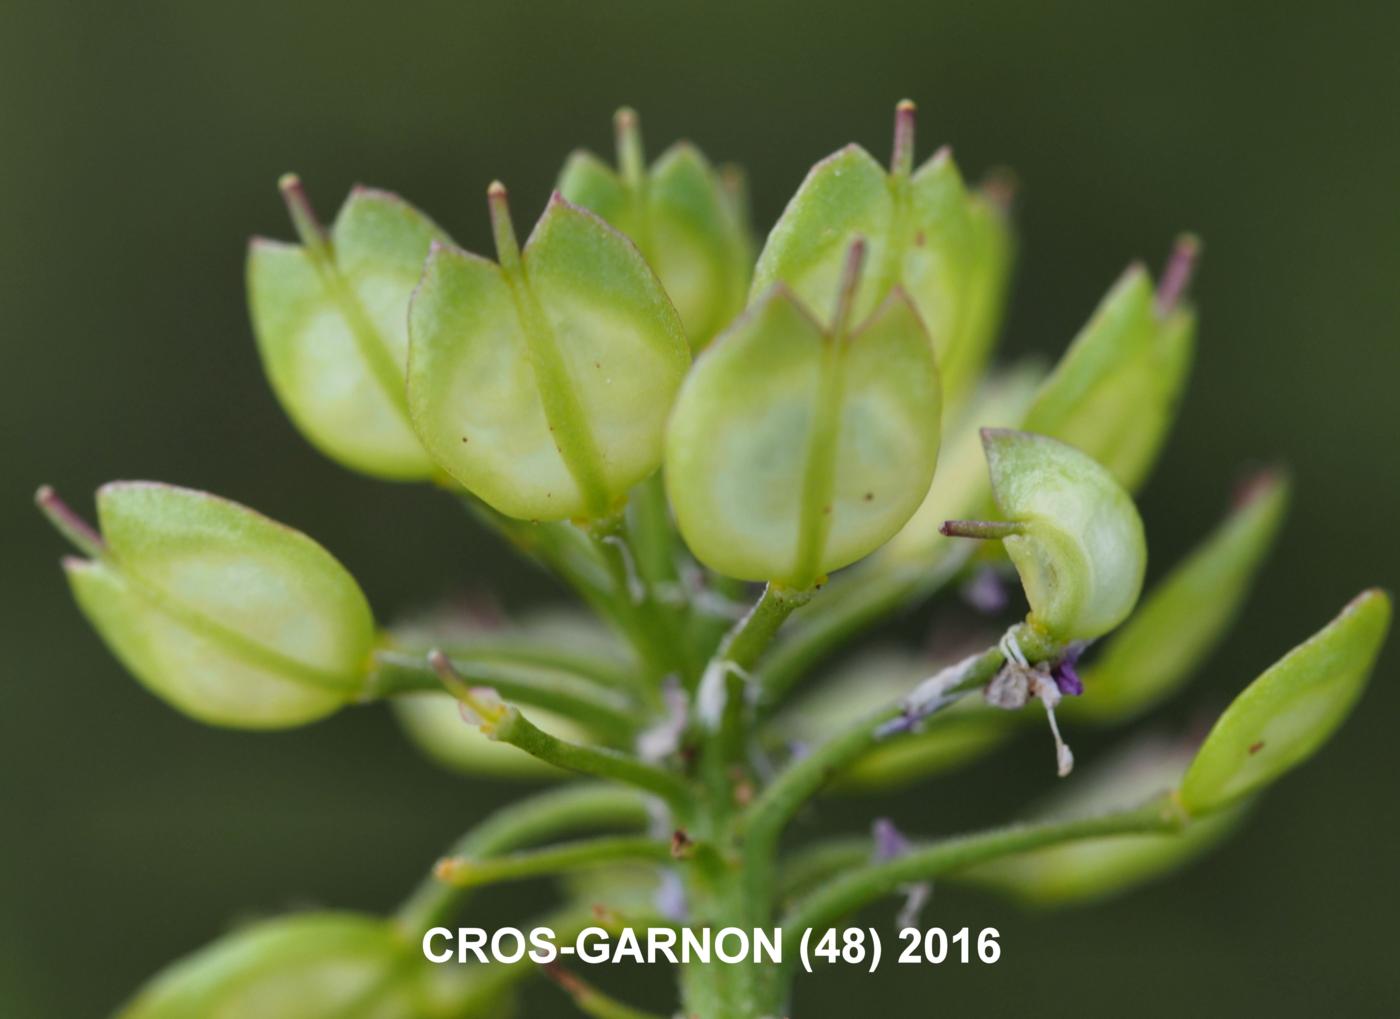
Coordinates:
[568,809]
[525,650]
[850,604]
[564,549]
[608,711]
[517,730]
[814,864]
[472,872]
[654,633]
[859,887]
[801,780]
[728,671]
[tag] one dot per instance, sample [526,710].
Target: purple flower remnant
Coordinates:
[890,843]
[1065,672]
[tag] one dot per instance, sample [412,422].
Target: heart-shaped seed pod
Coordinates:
[685,217]
[331,319]
[950,249]
[796,449]
[1071,531]
[228,616]
[542,384]
[1114,393]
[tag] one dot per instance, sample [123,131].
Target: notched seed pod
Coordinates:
[682,216]
[313,966]
[1114,393]
[1090,869]
[795,450]
[331,319]
[1284,716]
[949,248]
[228,616]
[542,383]
[1180,621]
[1072,533]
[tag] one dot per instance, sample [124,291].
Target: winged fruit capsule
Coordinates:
[1114,393]
[331,319]
[683,217]
[1071,531]
[542,382]
[796,449]
[228,616]
[948,248]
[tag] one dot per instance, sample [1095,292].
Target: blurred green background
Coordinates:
[141,146]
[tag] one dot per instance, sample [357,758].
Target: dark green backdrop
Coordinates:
[141,144]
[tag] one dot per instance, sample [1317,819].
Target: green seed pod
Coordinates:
[683,218]
[1284,716]
[1091,869]
[948,248]
[960,487]
[543,383]
[1182,619]
[230,617]
[1115,392]
[1072,533]
[795,450]
[313,966]
[331,319]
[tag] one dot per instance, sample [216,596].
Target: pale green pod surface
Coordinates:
[1080,549]
[791,452]
[433,722]
[1183,618]
[950,250]
[223,613]
[1092,869]
[960,486]
[685,224]
[845,196]
[543,387]
[314,966]
[331,319]
[1284,716]
[951,738]
[1114,393]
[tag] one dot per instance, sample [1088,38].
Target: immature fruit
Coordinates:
[795,450]
[1072,533]
[948,248]
[682,216]
[331,319]
[542,383]
[230,617]
[1284,716]
[1115,391]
